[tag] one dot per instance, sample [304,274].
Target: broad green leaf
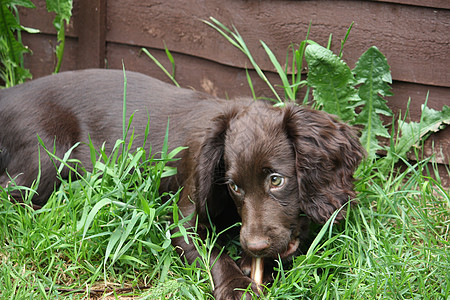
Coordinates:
[7,21]
[24,3]
[12,71]
[332,81]
[8,24]
[414,132]
[29,30]
[63,10]
[372,72]
[14,48]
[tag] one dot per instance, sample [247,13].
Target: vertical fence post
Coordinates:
[90,23]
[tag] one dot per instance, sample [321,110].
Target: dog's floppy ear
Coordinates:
[210,169]
[327,153]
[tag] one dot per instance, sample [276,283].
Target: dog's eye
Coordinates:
[276,180]
[235,188]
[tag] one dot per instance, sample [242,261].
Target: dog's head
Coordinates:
[277,163]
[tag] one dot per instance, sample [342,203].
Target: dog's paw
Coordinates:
[235,288]
[245,264]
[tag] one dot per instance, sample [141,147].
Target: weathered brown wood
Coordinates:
[420,55]
[42,60]
[437,98]
[426,3]
[91,31]
[438,144]
[210,77]
[414,39]
[443,172]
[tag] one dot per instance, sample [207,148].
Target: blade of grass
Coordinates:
[281,73]
[161,66]
[345,40]
[236,40]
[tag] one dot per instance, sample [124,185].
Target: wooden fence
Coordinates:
[413,34]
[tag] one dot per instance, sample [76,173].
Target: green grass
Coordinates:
[109,230]
[110,235]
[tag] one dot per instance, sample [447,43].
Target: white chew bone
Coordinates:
[257,270]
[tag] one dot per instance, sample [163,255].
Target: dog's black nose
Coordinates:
[257,245]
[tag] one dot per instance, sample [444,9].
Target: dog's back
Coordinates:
[70,107]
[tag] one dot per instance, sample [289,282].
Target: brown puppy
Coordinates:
[246,161]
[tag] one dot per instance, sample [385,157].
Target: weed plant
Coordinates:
[108,232]
[12,70]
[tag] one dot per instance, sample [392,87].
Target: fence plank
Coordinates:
[426,3]
[42,60]
[414,39]
[91,32]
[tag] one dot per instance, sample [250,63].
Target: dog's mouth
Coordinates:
[292,247]
[257,270]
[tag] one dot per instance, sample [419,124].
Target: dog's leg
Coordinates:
[228,279]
